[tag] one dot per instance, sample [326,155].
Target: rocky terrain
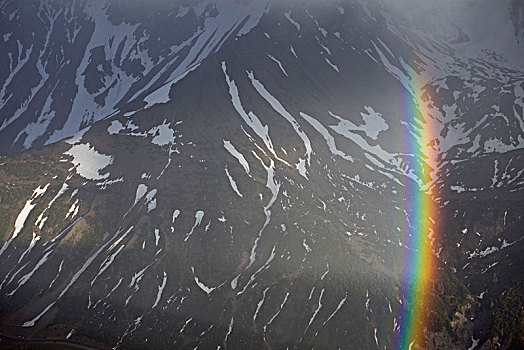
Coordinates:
[239,174]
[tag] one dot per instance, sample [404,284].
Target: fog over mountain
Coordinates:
[261,173]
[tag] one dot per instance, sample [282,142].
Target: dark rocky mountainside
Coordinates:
[238,174]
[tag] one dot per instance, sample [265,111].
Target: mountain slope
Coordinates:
[264,203]
[69,66]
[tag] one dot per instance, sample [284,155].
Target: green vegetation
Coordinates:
[508,316]
[24,169]
[449,298]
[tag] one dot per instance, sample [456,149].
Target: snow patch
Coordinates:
[163,134]
[115,127]
[88,162]
[140,192]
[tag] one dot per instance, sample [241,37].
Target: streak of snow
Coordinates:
[278,312]
[201,285]
[331,64]
[231,17]
[161,95]
[325,134]
[229,330]
[260,303]
[274,187]
[474,343]
[325,273]
[233,183]
[402,77]
[151,200]
[160,290]
[157,236]
[295,23]
[109,260]
[198,220]
[235,153]
[140,192]
[376,153]
[137,277]
[75,277]
[339,306]
[35,239]
[73,210]
[24,213]
[262,268]
[176,213]
[293,51]
[279,64]
[77,137]
[249,118]
[319,306]
[115,287]
[185,325]
[62,190]
[70,333]
[306,247]
[277,106]
[27,276]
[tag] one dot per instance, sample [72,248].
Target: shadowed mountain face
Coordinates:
[69,64]
[245,169]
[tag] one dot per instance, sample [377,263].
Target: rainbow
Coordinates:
[418,264]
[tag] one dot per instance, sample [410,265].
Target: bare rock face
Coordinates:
[517,18]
